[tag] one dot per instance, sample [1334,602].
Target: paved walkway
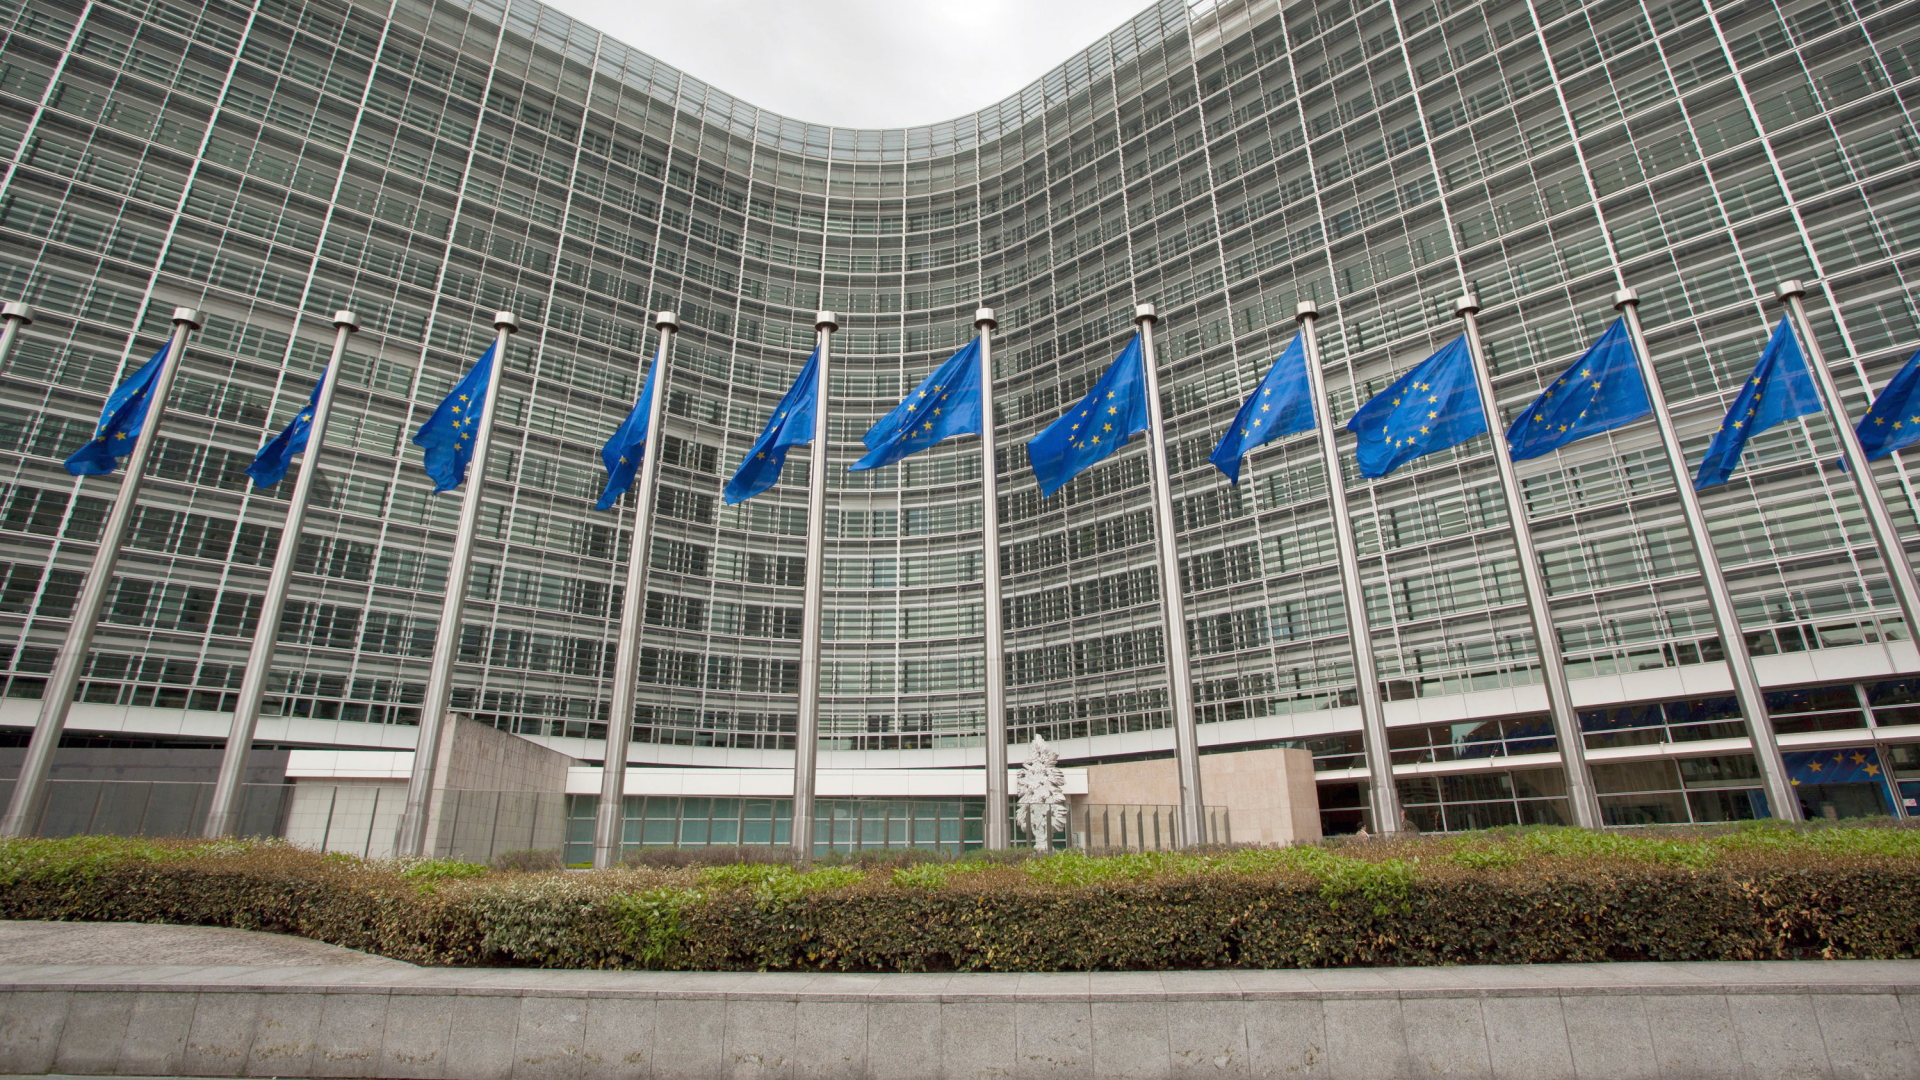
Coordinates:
[25,942]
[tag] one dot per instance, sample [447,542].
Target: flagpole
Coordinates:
[609,820]
[999,831]
[411,837]
[57,698]
[223,817]
[1383,795]
[1553,672]
[17,315]
[1893,553]
[806,734]
[1173,606]
[1746,682]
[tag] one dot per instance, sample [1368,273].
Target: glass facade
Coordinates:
[429,163]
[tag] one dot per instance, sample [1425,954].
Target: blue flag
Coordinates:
[1281,405]
[1780,388]
[1600,392]
[1893,423]
[790,425]
[120,421]
[1432,407]
[1111,413]
[271,463]
[946,403]
[448,433]
[623,452]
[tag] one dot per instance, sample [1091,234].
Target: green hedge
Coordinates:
[1522,897]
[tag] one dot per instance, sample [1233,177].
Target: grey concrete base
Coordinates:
[1858,1019]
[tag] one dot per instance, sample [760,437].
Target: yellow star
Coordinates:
[1096,440]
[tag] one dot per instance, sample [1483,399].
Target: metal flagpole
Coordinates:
[609,820]
[17,315]
[1383,796]
[806,734]
[1566,722]
[1746,683]
[1893,553]
[999,830]
[30,790]
[411,837]
[223,817]
[1173,607]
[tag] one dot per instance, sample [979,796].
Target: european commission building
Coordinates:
[428,164]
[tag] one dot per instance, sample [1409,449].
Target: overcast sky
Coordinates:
[860,63]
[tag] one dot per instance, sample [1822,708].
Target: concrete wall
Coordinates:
[1269,794]
[1805,1020]
[497,792]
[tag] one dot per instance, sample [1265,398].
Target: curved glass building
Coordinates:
[427,163]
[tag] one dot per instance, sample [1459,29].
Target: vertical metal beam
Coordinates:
[1566,722]
[17,314]
[999,831]
[1746,683]
[1382,796]
[223,817]
[609,819]
[24,808]
[1173,605]
[411,837]
[1893,553]
[806,734]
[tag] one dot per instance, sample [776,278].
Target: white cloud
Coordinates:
[859,63]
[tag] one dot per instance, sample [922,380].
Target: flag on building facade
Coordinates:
[1893,423]
[121,421]
[622,453]
[1432,407]
[790,425]
[270,465]
[1780,388]
[1111,413]
[447,436]
[945,404]
[1600,392]
[1281,405]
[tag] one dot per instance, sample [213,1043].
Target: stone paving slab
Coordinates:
[30,942]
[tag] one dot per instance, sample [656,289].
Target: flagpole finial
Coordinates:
[826,320]
[1304,310]
[345,319]
[1468,304]
[504,320]
[1625,296]
[190,316]
[1145,313]
[18,311]
[984,317]
[667,320]
[1790,289]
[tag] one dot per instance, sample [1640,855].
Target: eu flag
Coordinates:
[1780,388]
[1281,405]
[271,463]
[623,452]
[448,433]
[946,403]
[1600,392]
[1432,407]
[790,425]
[1111,413]
[1893,423]
[120,422]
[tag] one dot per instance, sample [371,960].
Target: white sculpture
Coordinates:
[1042,789]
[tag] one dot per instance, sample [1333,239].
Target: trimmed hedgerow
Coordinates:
[1523,896]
